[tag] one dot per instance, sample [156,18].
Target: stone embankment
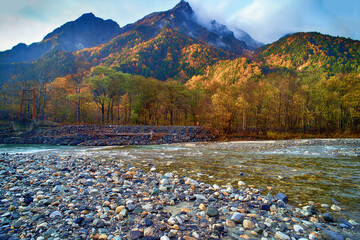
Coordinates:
[55,197]
[93,135]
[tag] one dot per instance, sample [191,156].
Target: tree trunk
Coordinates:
[103,113]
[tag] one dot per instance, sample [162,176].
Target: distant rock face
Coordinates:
[245,37]
[183,19]
[85,32]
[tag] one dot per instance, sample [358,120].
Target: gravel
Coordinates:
[49,197]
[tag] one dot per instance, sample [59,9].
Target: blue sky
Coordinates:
[29,21]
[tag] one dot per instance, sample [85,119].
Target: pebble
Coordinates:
[202,207]
[335,208]
[55,214]
[212,211]
[330,235]
[282,236]
[230,224]
[298,228]
[282,197]
[136,235]
[148,231]
[241,183]
[237,217]
[119,209]
[247,224]
[98,223]
[352,222]
[312,236]
[103,237]
[85,204]
[94,192]
[18,224]
[327,217]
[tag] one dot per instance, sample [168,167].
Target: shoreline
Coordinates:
[64,197]
[94,135]
[123,135]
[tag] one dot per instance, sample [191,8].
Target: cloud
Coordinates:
[268,20]
[213,9]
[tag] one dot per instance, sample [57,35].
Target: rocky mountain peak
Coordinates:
[85,32]
[183,7]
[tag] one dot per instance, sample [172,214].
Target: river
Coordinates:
[322,171]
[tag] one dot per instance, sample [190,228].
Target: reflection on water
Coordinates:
[323,174]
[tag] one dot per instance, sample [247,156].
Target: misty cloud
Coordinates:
[268,20]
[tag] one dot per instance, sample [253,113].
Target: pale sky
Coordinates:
[266,21]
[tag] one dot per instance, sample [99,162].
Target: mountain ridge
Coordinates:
[148,47]
[71,36]
[88,31]
[311,50]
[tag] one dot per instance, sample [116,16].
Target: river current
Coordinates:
[322,171]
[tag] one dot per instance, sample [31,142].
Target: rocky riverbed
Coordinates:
[97,135]
[63,197]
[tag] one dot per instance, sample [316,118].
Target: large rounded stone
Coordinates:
[330,235]
[327,217]
[247,224]
[98,223]
[212,212]
[237,217]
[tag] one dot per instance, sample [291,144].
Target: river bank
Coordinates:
[45,196]
[97,135]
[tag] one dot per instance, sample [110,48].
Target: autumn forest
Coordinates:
[305,83]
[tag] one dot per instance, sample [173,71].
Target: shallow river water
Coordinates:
[323,171]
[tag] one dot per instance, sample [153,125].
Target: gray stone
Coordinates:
[330,235]
[136,235]
[327,217]
[17,223]
[282,236]
[155,191]
[298,228]
[281,204]
[130,207]
[345,223]
[237,217]
[58,188]
[94,192]
[124,212]
[200,197]
[282,197]
[98,223]
[55,214]
[212,212]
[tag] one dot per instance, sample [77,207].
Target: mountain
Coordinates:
[183,19]
[245,37]
[169,44]
[162,44]
[308,51]
[226,73]
[85,32]
[168,54]
[173,44]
